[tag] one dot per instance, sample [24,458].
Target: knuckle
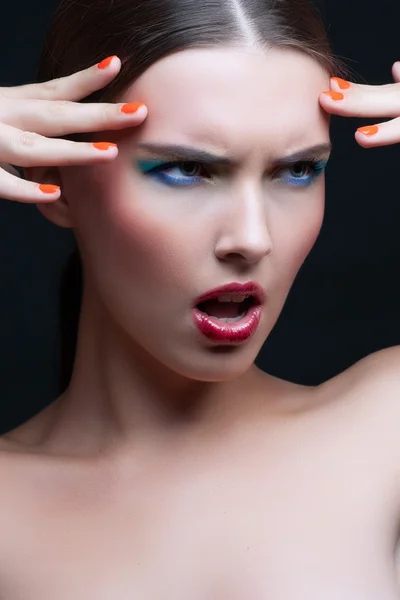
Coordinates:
[50,86]
[59,108]
[108,113]
[28,139]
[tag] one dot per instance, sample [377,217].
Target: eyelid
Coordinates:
[168,163]
[147,165]
[311,159]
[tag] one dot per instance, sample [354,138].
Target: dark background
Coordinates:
[344,303]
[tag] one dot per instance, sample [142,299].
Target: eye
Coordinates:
[301,173]
[189,167]
[193,172]
[301,169]
[304,173]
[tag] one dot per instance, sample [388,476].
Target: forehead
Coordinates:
[234,97]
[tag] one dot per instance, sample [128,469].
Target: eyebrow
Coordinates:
[173,152]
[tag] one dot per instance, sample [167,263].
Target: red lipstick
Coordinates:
[219,331]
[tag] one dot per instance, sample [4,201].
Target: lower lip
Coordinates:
[228,333]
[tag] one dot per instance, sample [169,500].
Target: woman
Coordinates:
[170,466]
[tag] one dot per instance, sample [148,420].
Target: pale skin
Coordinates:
[168,470]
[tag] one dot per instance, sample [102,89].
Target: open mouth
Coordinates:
[229,312]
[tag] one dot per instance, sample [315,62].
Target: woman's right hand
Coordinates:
[32,115]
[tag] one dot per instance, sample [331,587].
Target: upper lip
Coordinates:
[252,288]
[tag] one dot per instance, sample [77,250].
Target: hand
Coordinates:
[30,113]
[368,101]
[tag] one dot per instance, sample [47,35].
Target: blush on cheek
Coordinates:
[142,246]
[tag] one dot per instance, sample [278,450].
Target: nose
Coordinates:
[245,236]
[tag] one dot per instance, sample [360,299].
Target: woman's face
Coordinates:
[152,242]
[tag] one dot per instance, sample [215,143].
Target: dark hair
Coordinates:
[83,32]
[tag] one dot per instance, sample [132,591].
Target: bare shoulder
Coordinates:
[369,392]
[378,372]
[383,362]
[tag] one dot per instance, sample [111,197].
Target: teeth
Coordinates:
[235,320]
[236,299]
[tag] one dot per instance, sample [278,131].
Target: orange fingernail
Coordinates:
[335,95]
[104,145]
[132,107]
[369,130]
[49,189]
[106,62]
[342,83]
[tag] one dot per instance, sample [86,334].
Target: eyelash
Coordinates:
[317,167]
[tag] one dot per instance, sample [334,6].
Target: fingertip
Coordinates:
[326,104]
[362,139]
[108,62]
[335,96]
[396,71]
[142,112]
[49,189]
[108,68]
[132,108]
[338,84]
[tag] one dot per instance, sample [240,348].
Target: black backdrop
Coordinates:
[345,301]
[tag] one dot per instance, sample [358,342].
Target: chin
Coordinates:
[215,363]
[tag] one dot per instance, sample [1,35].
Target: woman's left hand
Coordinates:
[371,101]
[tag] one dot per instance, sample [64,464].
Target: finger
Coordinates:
[396,71]
[382,134]
[20,190]
[28,149]
[59,118]
[358,100]
[73,87]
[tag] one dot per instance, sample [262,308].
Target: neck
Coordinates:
[120,395]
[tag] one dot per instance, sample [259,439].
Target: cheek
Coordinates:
[306,235]
[119,239]
[295,237]
[141,246]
